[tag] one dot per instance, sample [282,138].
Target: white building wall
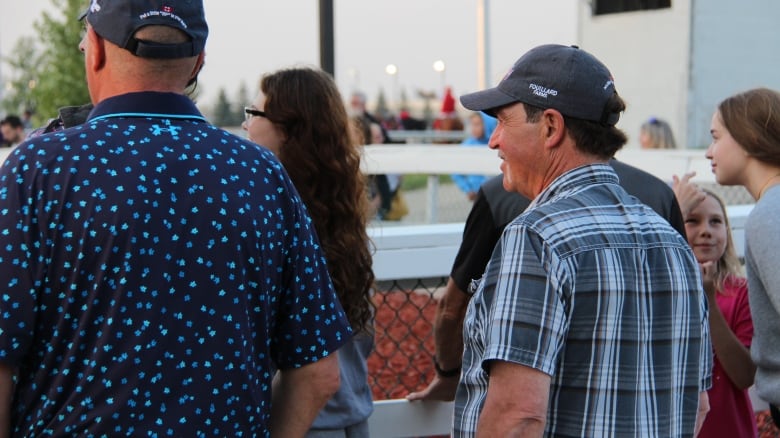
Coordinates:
[648,54]
[736,46]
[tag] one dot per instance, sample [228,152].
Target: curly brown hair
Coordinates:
[322,157]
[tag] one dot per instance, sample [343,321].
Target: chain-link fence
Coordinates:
[732,195]
[402,358]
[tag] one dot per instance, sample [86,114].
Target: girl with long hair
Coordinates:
[731,327]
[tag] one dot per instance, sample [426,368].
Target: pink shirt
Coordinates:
[731,413]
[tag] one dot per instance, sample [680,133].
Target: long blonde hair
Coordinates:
[729,265]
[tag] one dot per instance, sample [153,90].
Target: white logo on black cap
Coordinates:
[543,91]
[94,6]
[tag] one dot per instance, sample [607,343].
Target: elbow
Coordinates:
[747,379]
[453,303]
[328,379]
[332,383]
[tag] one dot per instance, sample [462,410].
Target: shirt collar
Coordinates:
[576,179]
[147,104]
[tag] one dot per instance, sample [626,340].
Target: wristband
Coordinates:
[445,373]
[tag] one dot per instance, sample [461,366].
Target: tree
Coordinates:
[61,78]
[404,99]
[242,100]
[381,105]
[223,111]
[24,61]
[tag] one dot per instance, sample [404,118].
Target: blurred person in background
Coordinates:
[480,127]
[656,133]
[448,118]
[13,130]
[357,107]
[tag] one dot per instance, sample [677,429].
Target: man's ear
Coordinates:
[96,55]
[553,128]
[198,66]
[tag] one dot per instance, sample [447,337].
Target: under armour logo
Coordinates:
[94,6]
[173,130]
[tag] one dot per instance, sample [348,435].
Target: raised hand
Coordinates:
[688,194]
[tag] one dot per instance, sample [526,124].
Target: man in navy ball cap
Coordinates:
[161,276]
[589,319]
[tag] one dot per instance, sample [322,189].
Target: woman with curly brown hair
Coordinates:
[299,114]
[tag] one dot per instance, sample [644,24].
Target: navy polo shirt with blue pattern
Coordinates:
[155,272]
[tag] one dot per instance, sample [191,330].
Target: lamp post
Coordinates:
[354,76]
[483,44]
[392,70]
[440,67]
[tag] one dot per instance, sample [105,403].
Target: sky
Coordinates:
[250,37]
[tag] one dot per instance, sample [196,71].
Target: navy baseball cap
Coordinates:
[564,78]
[118,21]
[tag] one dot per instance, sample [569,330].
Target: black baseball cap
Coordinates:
[564,78]
[118,21]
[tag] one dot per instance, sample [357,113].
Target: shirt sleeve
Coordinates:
[763,245]
[480,235]
[527,322]
[311,323]
[20,258]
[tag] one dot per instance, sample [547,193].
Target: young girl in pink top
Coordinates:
[731,327]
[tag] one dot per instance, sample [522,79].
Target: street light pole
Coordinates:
[327,51]
[483,44]
[441,68]
[392,70]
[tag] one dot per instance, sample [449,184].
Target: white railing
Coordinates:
[434,160]
[426,136]
[437,159]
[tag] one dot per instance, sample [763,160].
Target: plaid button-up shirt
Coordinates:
[593,288]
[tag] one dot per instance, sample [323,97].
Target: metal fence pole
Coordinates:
[432,206]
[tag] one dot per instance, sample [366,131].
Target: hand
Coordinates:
[688,194]
[440,388]
[709,275]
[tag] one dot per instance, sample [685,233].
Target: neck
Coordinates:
[772,180]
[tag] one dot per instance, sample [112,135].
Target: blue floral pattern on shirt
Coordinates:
[156,271]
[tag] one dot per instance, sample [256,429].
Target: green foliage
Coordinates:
[414,181]
[60,77]
[24,62]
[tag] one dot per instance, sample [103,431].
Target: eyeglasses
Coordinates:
[251,112]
